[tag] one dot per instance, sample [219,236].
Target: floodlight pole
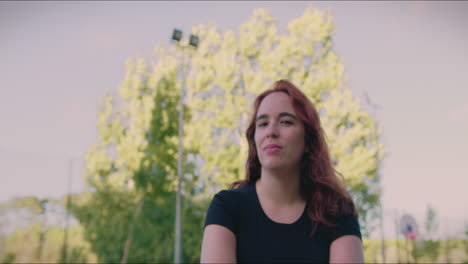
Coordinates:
[178,226]
[177,36]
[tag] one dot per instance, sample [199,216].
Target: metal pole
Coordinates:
[178,232]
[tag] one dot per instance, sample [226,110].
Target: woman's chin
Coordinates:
[275,165]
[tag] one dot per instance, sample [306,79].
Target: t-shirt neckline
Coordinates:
[268,219]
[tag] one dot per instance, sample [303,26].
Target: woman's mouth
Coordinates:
[272,148]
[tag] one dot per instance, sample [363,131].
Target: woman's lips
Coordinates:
[272,148]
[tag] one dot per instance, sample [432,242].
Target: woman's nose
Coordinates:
[272,130]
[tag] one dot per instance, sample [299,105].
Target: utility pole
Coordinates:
[177,36]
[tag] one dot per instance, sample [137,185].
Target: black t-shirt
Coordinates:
[259,239]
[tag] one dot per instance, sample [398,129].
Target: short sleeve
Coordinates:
[221,212]
[346,225]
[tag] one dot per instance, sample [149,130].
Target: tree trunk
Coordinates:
[130,230]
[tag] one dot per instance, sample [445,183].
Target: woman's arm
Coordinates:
[218,245]
[346,249]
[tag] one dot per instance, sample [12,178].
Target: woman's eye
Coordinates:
[262,124]
[287,122]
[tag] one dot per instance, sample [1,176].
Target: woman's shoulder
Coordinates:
[346,222]
[228,206]
[243,193]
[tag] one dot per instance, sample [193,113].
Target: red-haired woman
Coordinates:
[291,207]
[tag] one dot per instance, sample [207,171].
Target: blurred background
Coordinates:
[90,103]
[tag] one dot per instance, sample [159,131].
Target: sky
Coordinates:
[57,59]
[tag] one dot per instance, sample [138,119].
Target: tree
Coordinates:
[37,238]
[134,163]
[135,158]
[28,211]
[21,246]
[431,245]
[230,69]
[428,246]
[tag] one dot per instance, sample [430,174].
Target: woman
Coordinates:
[291,207]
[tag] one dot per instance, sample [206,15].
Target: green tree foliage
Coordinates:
[135,162]
[22,246]
[430,248]
[431,245]
[37,237]
[231,68]
[136,156]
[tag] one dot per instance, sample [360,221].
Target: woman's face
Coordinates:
[279,134]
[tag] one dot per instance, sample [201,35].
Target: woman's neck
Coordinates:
[282,188]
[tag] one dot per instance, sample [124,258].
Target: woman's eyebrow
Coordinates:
[279,115]
[287,114]
[261,117]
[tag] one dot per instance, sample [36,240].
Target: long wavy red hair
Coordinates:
[320,185]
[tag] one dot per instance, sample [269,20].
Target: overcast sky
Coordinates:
[58,58]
